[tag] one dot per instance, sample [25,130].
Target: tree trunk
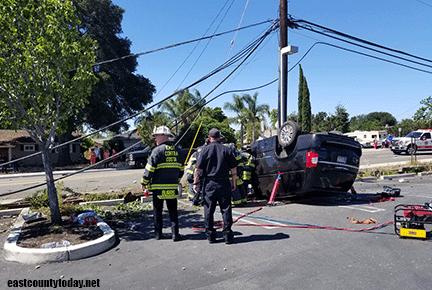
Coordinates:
[51,189]
[64,158]
[253,130]
[241,135]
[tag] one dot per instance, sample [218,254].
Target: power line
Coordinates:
[182,43]
[181,65]
[294,25]
[372,49]
[208,42]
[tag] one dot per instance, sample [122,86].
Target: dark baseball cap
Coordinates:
[214,133]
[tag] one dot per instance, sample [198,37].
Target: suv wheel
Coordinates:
[411,149]
[141,163]
[288,133]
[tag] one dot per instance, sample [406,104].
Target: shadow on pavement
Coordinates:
[142,227]
[258,238]
[346,199]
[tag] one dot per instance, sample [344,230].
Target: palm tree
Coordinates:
[254,111]
[181,109]
[148,121]
[237,106]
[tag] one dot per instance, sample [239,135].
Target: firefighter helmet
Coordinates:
[162,130]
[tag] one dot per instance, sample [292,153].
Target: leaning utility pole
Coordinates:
[283,70]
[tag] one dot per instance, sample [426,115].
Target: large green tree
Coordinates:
[184,108]
[332,122]
[188,134]
[339,121]
[148,121]
[120,91]
[45,73]
[319,122]
[372,121]
[424,113]
[215,113]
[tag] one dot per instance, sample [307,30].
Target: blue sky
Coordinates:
[361,84]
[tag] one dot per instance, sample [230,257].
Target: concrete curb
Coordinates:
[14,211]
[34,256]
[104,202]
[394,176]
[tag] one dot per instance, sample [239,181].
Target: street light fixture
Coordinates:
[283,81]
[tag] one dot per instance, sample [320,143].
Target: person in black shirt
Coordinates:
[212,171]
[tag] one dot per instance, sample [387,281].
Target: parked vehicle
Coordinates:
[363,143]
[138,158]
[419,140]
[319,162]
[369,136]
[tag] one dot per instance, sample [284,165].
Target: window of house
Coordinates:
[72,148]
[29,148]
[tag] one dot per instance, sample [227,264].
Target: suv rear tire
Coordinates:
[288,134]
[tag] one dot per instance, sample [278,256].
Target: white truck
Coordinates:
[367,138]
[419,140]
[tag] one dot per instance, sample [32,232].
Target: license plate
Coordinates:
[341,159]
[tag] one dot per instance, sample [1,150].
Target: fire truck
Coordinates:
[419,140]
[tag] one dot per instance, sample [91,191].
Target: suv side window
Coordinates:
[426,136]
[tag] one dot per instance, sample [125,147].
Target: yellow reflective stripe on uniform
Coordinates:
[239,181]
[239,157]
[190,171]
[162,186]
[167,197]
[247,175]
[144,181]
[149,167]
[169,165]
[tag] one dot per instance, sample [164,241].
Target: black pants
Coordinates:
[217,192]
[157,211]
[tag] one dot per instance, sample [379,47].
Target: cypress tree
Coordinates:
[300,96]
[306,123]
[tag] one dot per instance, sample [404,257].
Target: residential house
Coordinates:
[17,144]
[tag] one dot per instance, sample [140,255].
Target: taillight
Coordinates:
[311,159]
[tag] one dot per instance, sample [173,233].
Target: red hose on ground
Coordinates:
[197,228]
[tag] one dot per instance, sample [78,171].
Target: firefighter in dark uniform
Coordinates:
[212,167]
[161,176]
[238,196]
[190,168]
[248,169]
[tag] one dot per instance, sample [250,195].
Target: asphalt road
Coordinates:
[384,157]
[264,256]
[95,180]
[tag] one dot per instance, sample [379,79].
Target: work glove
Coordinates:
[197,199]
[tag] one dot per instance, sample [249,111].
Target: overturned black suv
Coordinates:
[319,162]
